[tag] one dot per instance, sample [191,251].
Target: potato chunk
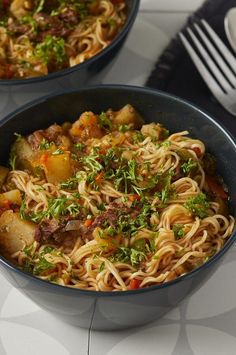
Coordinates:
[58,168]
[3,174]
[86,127]
[24,154]
[128,116]
[15,233]
[13,196]
[18,9]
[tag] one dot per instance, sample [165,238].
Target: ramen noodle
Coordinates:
[38,37]
[109,203]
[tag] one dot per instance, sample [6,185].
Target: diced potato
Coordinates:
[58,168]
[86,127]
[17,8]
[24,154]
[154,130]
[128,116]
[3,174]
[15,233]
[13,196]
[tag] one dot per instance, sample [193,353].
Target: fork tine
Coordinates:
[205,73]
[229,74]
[219,76]
[221,46]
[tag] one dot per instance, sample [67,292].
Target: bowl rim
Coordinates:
[91,293]
[63,72]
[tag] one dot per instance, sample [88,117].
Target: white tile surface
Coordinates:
[171,5]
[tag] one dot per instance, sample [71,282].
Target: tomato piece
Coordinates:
[88,222]
[134,197]
[197,151]
[44,157]
[99,177]
[134,283]
[216,188]
[6,204]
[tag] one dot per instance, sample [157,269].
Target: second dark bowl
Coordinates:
[119,310]
[16,92]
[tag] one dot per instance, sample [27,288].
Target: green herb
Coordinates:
[79,146]
[102,266]
[74,157]
[12,159]
[45,144]
[69,184]
[104,122]
[198,205]
[189,166]
[40,6]
[92,163]
[29,20]
[42,265]
[111,21]
[28,250]
[124,128]
[52,49]
[58,152]
[129,255]
[101,207]
[57,207]
[138,137]
[18,136]
[178,231]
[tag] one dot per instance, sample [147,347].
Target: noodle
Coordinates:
[40,37]
[112,204]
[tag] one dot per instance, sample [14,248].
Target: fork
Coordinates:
[218,68]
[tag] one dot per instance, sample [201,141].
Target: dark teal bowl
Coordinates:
[118,310]
[90,72]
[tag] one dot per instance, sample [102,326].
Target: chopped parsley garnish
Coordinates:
[57,207]
[124,128]
[52,49]
[128,255]
[189,166]
[102,266]
[40,6]
[59,151]
[104,122]
[79,146]
[198,205]
[178,231]
[28,20]
[45,144]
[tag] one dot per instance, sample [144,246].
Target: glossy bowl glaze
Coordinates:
[118,310]
[16,92]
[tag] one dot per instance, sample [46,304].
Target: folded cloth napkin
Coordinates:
[174,71]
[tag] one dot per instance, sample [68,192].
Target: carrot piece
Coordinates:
[44,157]
[134,197]
[88,222]
[197,151]
[216,188]
[99,177]
[134,283]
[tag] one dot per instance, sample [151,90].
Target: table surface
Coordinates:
[205,323]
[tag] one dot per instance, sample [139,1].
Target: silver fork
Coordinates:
[218,73]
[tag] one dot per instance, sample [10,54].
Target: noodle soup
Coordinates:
[40,37]
[109,203]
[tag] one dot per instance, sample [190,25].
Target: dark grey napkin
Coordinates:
[174,71]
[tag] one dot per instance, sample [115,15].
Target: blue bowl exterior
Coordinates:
[119,310]
[15,93]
